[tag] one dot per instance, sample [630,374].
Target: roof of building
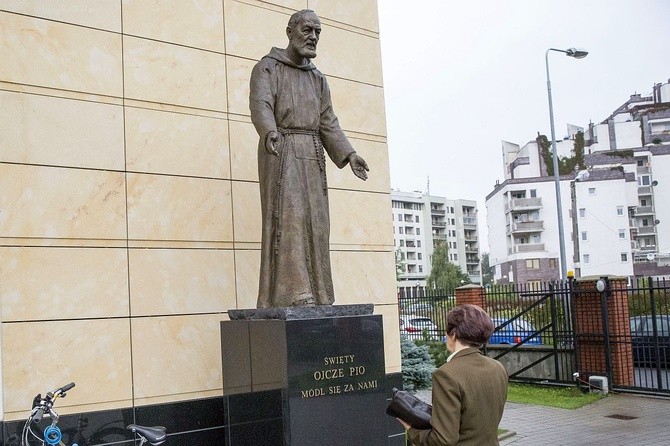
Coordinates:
[608,157]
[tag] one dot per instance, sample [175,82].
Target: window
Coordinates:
[585,236]
[644,180]
[553,263]
[399,217]
[619,210]
[400,230]
[402,242]
[582,212]
[455,256]
[418,256]
[418,231]
[592,190]
[622,234]
[624,257]
[532,263]
[416,218]
[586,259]
[640,163]
[533,193]
[643,201]
[418,243]
[420,268]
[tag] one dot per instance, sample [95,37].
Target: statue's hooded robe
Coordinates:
[294,100]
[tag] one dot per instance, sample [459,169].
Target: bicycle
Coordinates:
[52,435]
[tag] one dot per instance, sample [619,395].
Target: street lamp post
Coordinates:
[577,54]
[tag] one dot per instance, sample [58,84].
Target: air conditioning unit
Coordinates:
[598,384]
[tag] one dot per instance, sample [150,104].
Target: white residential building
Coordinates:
[615,211]
[420,221]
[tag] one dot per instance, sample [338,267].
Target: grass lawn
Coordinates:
[562,397]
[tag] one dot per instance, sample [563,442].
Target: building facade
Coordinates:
[613,208]
[129,203]
[421,221]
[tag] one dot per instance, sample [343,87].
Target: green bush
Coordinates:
[437,350]
[417,365]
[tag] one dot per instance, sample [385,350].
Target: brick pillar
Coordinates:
[471,294]
[590,330]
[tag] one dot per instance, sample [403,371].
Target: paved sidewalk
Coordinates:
[642,421]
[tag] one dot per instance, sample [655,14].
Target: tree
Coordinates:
[399,265]
[566,165]
[487,272]
[443,273]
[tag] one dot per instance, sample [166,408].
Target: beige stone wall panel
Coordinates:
[172,74]
[247,268]
[349,55]
[40,356]
[252,27]
[360,218]
[392,357]
[181,281]
[196,23]
[58,55]
[247,211]
[359,13]
[50,202]
[176,143]
[243,151]
[48,130]
[239,73]
[168,208]
[102,14]
[360,107]
[63,283]
[176,356]
[376,155]
[360,276]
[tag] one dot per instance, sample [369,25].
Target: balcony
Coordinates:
[439,224]
[526,247]
[644,210]
[643,169]
[646,230]
[471,249]
[526,226]
[437,211]
[523,204]
[644,190]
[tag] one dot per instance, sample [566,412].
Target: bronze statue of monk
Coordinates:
[293,114]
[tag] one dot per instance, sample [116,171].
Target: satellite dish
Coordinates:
[650,256]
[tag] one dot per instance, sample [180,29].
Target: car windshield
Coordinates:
[420,321]
[644,325]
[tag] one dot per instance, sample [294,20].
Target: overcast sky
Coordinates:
[459,77]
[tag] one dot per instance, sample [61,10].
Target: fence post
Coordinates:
[471,294]
[594,314]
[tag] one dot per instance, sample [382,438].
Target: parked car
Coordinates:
[413,327]
[644,347]
[514,332]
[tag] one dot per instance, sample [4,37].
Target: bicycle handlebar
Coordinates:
[65,388]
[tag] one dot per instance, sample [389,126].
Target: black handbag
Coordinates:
[410,409]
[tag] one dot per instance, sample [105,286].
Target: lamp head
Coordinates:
[577,54]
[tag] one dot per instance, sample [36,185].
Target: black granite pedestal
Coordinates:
[329,368]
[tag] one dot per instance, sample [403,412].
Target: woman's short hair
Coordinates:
[470,324]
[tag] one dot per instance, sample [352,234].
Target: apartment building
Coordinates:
[421,221]
[614,210]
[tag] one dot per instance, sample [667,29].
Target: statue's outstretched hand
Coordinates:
[358,166]
[271,142]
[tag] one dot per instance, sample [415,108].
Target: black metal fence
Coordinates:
[623,334]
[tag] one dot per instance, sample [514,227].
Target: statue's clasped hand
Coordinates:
[358,166]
